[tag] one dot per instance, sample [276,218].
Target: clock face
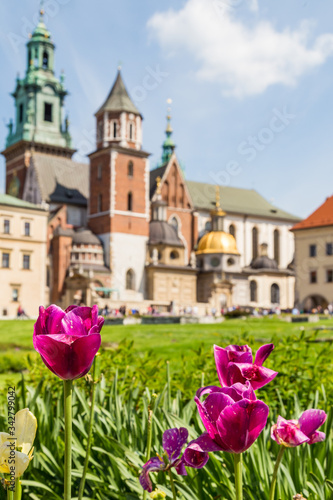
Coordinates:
[215,261]
[14,187]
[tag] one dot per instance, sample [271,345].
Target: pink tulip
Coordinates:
[233,419]
[234,364]
[291,433]
[68,340]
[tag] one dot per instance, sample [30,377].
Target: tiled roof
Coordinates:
[6,199]
[157,172]
[119,99]
[61,180]
[323,216]
[235,200]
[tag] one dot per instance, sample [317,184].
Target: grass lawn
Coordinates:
[166,341]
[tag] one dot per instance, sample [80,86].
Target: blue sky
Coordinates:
[251,83]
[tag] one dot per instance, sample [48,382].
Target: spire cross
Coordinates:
[41,9]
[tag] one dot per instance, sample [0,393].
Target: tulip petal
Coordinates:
[262,354]
[257,375]
[210,410]
[240,424]
[155,464]
[84,351]
[232,353]
[87,316]
[53,319]
[196,453]
[317,437]
[173,441]
[311,420]
[287,433]
[22,460]
[25,430]
[180,469]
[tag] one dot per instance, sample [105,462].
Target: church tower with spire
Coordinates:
[119,192]
[39,124]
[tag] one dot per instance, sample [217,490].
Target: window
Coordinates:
[6,226]
[47,112]
[26,261]
[232,230]
[275,294]
[329,275]
[99,203]
[20,113]
[5,260]
[131,131]
[313,276]
[15,295]
[27,229]
[45,60]
[253,291]
[114,130]
[230,261]
[215,261]
[130,280]
[277,246]
[254,243]
[208,226]
[130,202]
[313,250]
[130,169]
[99,172]
[329,248]
[174,223]
[174,255]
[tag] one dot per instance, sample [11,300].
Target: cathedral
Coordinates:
[120,233]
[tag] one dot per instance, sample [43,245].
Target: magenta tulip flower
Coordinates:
[233,419]
[291,433]
[68,340]
[173,442]
[234,364]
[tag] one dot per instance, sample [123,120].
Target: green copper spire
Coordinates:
[168,146]
[39,96]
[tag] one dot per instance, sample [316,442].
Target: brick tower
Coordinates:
[39,101]
[119,192]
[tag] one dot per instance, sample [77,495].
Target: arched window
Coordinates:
[166,197]
[29,58]
[174,223]
[253,291]
[275,294]
[114,130]
[130,202]
[45,60]
[254,243]
[130,169]
[130,280]
[277,246]
[232,230]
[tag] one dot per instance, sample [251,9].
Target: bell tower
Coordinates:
[39,123]
[119,192]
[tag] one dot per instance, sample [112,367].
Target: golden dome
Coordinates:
[217,242]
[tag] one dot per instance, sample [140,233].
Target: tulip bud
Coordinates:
[157,495]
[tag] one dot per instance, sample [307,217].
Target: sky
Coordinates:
[250,83]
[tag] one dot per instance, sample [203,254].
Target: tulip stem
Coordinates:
[18,490]
[238,475]
[90,429]
[68,389]
[149,438]
[173,489]
[10,494]
[276,468]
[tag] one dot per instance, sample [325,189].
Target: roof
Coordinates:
[162,233]
[119,99]
[61,180]
[6,199]
[217,242]
[235,200]
[264,262]
[157,172]
[84,236]
[323,216]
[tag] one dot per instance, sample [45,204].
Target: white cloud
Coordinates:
[244,60]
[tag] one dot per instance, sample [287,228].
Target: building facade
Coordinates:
[120,233]
[314,259]
[23,240]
